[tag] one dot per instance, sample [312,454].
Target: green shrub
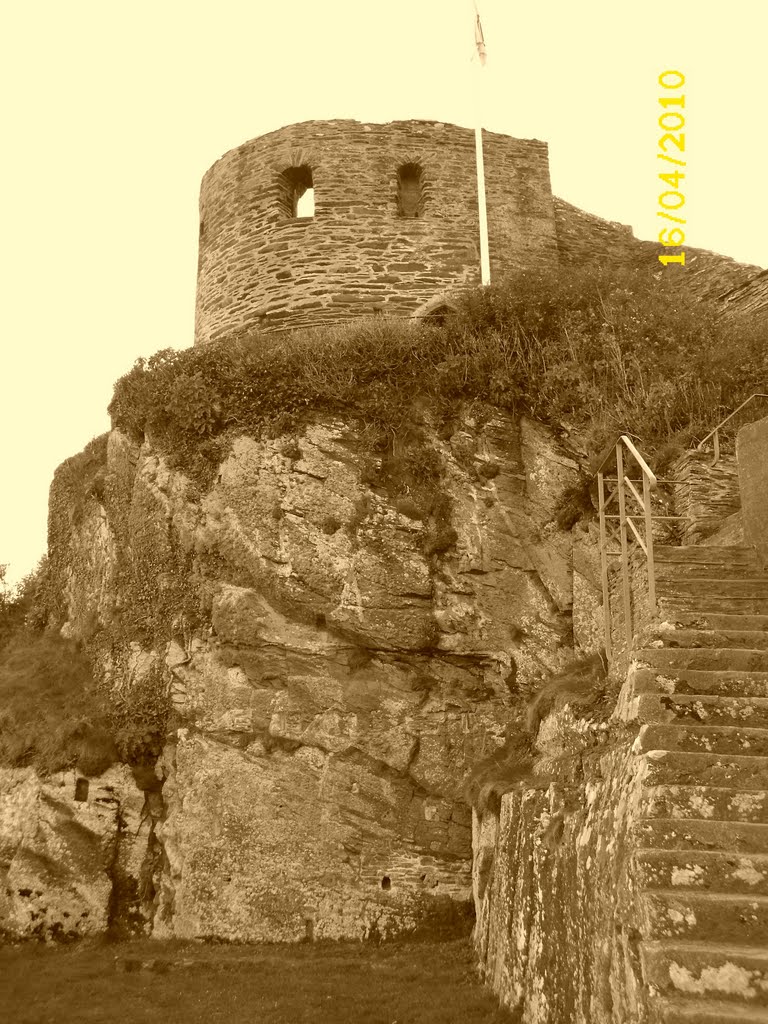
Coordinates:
[83,475]
[52,716]
[139,722]
[603,351]
[575,503]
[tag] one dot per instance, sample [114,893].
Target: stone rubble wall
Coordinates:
[704,493]
[752,451]
[557,930]
[583,238]
[261,268]
[739,289]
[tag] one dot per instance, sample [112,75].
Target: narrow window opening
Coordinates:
[386,882]
[410,194]
[297,192]
[81,790]
[305,203]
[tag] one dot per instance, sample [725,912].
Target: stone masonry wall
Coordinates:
[583,237]
[557,924]
[705,494]
[739,289]
[752,448]
[261,267]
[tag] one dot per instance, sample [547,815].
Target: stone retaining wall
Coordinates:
[556,933]
[705,494]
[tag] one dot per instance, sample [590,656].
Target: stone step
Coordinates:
[715,659]
[742,554]
[672,604]
[735,837]
[716,587]
[705,870]
[711,739]
[700,681]
[704,802]
[701,916]
[718,970]
[746,639]
[707,570]
[707,1011]
[719,620]
[675,768]
[703,709]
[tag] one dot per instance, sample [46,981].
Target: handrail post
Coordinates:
[624,546]
[604,564]
[715,432]
[649,543]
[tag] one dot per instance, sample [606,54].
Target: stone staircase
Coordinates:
[701,843]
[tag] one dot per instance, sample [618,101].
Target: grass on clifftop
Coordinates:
[602,351]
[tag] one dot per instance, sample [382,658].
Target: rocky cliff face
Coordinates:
[337,652]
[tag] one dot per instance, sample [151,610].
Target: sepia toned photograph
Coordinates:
[384,543]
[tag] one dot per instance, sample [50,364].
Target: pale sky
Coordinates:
[114,111]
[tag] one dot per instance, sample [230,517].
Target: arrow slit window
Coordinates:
[410,191]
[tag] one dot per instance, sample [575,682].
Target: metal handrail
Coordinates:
[716,432]
[638,457]
[625,488]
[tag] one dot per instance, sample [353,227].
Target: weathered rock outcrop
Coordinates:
[338,653]
[71,853]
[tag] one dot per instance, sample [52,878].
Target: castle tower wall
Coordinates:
[377,243]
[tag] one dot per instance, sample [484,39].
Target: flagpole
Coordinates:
[482,210]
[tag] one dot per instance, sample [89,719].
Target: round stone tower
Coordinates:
[328,220]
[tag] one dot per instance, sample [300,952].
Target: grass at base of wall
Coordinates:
[152,982]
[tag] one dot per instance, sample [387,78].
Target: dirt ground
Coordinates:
[146,982]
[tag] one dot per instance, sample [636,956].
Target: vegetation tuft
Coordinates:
[52,713]
[600,350]
[51,717]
